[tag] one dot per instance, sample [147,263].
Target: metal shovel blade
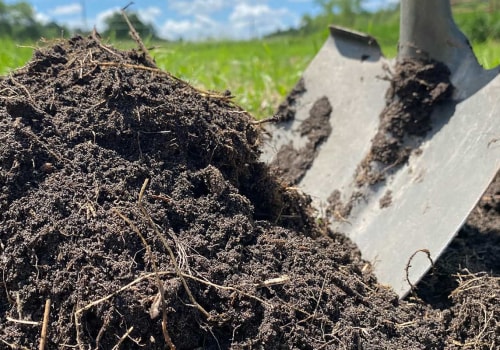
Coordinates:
[409,218]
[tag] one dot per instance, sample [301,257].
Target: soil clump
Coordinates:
[416,87]
[316,127]
[137,204]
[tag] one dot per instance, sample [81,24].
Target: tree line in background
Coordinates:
[19,21]
[479,19]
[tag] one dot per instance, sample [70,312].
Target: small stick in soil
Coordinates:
[109,296]
[313,315]
[273,119]
[159,284]
[78,326]
[169,250]
[404,324]
[9,298]
[97,38]
[96,302]
[477,341]
[217,286]
[22,87]
[122,339]
[274,281]
[45,325]
[102,330]
[408,265]
[27,132]
[136,36]
[465,286]
[248,295]
[19,306]
[131,66]
[12,91]
[31,323]
[14,346]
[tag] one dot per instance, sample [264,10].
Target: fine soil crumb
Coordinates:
[82,127]
[386,200]
[337,208]
[416,86]
[290,163]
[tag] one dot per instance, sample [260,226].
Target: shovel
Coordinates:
[403,220]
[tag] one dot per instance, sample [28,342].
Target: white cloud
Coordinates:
[243,12]
[256,20]
[196,28]
[193,7]
[67,10]
[42,17]
[173,29]
[149,14]
[100,20]
[206,7]
[242,21]
[206,21]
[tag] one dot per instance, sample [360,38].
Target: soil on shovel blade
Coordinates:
[137,205]
[416,87]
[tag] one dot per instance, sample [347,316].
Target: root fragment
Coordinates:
[45,325]
[408,265]
[122,339]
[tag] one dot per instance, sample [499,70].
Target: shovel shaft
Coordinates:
[427,30]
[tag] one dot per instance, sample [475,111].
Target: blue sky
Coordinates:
[188,19]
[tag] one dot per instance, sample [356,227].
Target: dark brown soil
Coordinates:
[83,126]
[416,86]
[286,110]
[316,127]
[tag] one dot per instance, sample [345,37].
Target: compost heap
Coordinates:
[111,170]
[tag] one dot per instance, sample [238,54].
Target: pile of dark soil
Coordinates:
[137,205]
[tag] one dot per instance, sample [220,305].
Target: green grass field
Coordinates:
[12,55]
[258,73]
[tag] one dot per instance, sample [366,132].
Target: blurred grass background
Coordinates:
[261,72]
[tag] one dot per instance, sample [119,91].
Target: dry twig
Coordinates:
[159,284]
[169,250]
[122,339]
[136,36]
[78,312]
[45,325]
[22,87]
[13,346]
[208,283]
[107,297]
[26,322]
[408,265]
